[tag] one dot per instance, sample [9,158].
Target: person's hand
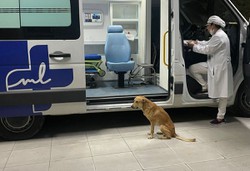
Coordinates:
[191,43]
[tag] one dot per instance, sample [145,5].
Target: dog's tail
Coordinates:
[185,139]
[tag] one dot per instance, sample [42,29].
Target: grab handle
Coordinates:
[59,54]
[164,48]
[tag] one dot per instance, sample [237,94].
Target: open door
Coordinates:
[242,102]
[165,44]
[246,63]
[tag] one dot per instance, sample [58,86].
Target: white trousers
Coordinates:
[199,72]
[222,108]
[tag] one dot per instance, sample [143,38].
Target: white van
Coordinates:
[44,44]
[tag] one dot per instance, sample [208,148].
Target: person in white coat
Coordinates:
[219,67]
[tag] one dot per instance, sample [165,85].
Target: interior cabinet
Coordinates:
[127,15]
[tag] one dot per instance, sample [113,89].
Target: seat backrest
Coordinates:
[117,47]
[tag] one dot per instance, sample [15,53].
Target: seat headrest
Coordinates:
[115,29]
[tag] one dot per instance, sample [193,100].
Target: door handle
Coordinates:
[59,54]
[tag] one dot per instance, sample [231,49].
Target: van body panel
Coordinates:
[32,79]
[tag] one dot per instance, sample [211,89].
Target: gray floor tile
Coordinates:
[192,125]
[115,162]
[244,121]
[111,146]
[215,165]
[212,134]
[32,143]
[29,156]
[4,158]
[70,151]
[6,146]
[196,152]
[241,163]
[134,130]
[232,148]
[156,158]
[124,146]
[69,138]
[141,142]
[236,129]
[82,164]
[179,167]
[103,134]
[34,167]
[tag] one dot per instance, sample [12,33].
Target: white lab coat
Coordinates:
[220,73]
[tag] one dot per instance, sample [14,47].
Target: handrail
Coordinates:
[164,48]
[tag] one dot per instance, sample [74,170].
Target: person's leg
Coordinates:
[221,111]
[222,108]
[197,71]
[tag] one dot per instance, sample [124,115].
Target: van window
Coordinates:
[32,19]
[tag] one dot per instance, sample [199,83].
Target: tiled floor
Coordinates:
[118,142]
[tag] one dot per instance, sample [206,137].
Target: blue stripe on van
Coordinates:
[27,71]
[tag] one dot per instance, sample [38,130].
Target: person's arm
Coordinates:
[191,43]
[209,47]
[203,42]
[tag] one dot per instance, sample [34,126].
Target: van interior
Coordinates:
[146,77]
[105,86]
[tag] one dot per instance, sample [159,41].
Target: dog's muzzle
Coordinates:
[133,107]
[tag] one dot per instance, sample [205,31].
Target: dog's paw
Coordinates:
[159,133]
[163,137]
[150,137]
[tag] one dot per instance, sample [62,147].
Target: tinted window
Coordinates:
[33,19]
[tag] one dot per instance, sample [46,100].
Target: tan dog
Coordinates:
[157,116]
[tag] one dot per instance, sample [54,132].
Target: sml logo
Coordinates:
[23,70]
[40,80]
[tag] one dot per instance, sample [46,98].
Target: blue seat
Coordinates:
[118,53]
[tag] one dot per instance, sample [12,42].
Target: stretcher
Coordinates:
[92,68]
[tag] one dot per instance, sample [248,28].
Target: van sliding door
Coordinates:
[41,58]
